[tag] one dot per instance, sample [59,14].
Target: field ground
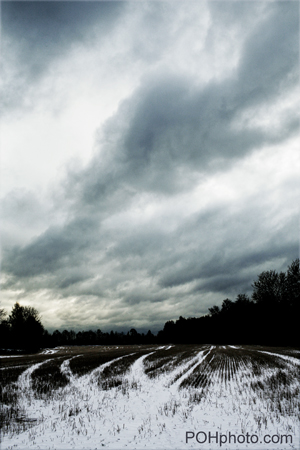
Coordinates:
[173,396]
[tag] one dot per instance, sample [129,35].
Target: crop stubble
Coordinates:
[249,373]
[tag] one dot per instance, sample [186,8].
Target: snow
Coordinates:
[47,351]
[151,413]
[50,351]
[24,381]
[11,367]
[286,357]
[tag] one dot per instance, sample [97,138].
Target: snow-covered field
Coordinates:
[171,397]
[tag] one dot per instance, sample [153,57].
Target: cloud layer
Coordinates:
[189,190]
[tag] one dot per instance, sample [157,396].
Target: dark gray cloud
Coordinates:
[269,61]
[38,34]
[224,249]
[52,249]
[46,30]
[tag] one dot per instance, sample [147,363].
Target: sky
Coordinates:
[149,156]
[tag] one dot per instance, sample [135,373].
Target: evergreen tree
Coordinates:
[26,328]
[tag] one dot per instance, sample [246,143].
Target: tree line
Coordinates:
[23,329]
[269,317]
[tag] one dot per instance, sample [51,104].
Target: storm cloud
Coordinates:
[189,188]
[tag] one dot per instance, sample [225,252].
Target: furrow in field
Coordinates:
[205,372]
[66,369]
[187,369]
[290,359]
[95,375]
[163,362]
[25,381]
